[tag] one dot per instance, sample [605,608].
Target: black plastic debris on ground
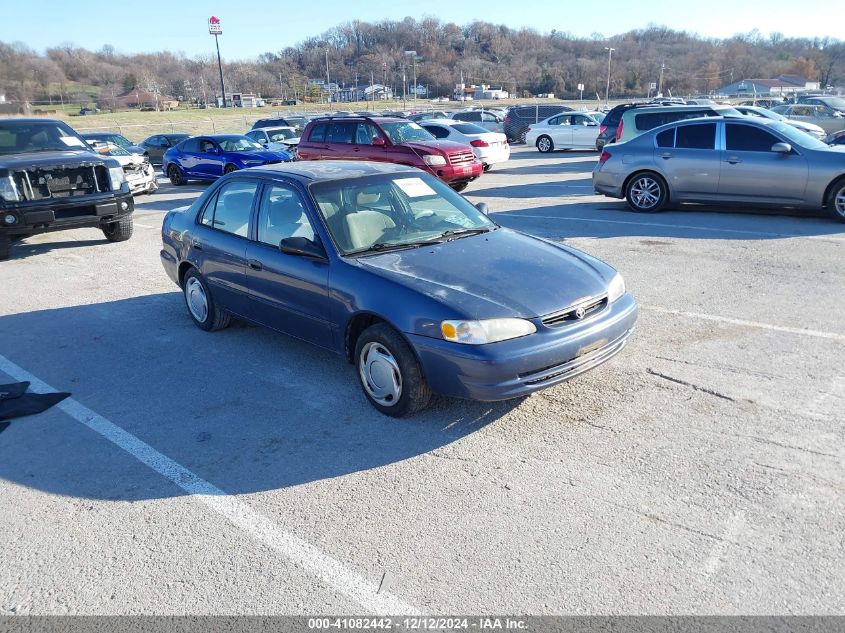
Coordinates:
[17,402]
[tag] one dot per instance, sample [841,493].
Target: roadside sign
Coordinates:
[214,26]
[652,85]
[580,86]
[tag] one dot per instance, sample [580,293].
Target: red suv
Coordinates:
[389,140]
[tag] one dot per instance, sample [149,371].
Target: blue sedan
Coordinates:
[210,157]
[388,266]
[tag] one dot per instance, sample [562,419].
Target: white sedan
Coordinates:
[275,138]
[489,147]
[568,130]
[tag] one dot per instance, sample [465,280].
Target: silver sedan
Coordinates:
[724,160]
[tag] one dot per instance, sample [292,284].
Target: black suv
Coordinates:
[50,180]
[296,122]
[518,118]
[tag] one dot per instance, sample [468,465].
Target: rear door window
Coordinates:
[191,146]
[341,132]
[666,138]
[437,131]
[318,133]
[229,211]
[701,136]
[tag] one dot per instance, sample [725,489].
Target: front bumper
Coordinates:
[458,173]
[142,180]
[55,214]
[509,369]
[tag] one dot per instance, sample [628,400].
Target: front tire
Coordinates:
[460,186]
[229,169]
[646,192]
[119,231]
[177,177]
[389,373]
[202,308]
[545,144]
[836,200]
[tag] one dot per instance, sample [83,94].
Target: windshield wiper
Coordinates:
[454,233]
[382,247]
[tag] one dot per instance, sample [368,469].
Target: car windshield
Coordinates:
[238,144]
[280,134]
[798,137]
[834,102]
[38,136]
[404,131]
[598,116]
[395,211]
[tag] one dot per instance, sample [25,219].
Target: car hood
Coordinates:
[444,146]
[260,154]
[802,125]
[39,159]
[502,273]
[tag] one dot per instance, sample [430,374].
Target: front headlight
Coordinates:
[8,190]
[433,160]
[116,177]
[488,331]
[616,288]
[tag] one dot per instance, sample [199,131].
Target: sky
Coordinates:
[252,27]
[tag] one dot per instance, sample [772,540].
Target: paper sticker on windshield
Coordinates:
[71,141]
[414,187]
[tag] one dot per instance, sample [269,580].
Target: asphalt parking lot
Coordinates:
[701,471]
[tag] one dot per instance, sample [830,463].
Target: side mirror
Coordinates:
[303,247]
[482,206]
[378,142]
[782,148]
[211,150]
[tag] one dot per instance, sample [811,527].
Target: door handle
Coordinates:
[733,160]
[196,244]
[666,156]
[255,264]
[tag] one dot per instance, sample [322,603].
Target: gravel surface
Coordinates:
[698,472]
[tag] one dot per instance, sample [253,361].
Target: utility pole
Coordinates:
[215,29]
[413,55]
[404,86]
[328,82]
[660,81]
[609,57]
[356,85]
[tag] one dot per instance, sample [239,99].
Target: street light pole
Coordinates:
[607,90]
[220,69]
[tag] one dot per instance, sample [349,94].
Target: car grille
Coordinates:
[577,365]
[571,314]
[461,158]
[61,182]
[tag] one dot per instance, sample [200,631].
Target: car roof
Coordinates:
[84,134]
[307,171]
[356,117]
[272,127]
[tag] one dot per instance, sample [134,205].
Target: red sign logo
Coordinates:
[214,20]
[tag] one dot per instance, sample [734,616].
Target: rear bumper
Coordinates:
[57,215]
[608,183]
[514,368]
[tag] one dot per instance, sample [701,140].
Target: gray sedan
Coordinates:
[724,160]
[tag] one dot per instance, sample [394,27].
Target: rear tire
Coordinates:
[460,186]
[202,308]
[5,247]
[545,144]
[487,168]
[229,169]
[646,192]
[836,200]
[177,177]
[389,373]
[119,231]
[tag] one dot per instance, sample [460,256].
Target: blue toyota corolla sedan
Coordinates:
[389,267]
[210,157]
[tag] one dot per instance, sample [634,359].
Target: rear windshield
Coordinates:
[469,128]
[651,120]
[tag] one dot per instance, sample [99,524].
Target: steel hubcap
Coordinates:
[196,299]
[645,192]
[839,202]
[380,374]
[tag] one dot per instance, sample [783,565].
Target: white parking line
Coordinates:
[331,571]
[709,229]
[833,336]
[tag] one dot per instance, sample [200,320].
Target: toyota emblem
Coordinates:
[580,312]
